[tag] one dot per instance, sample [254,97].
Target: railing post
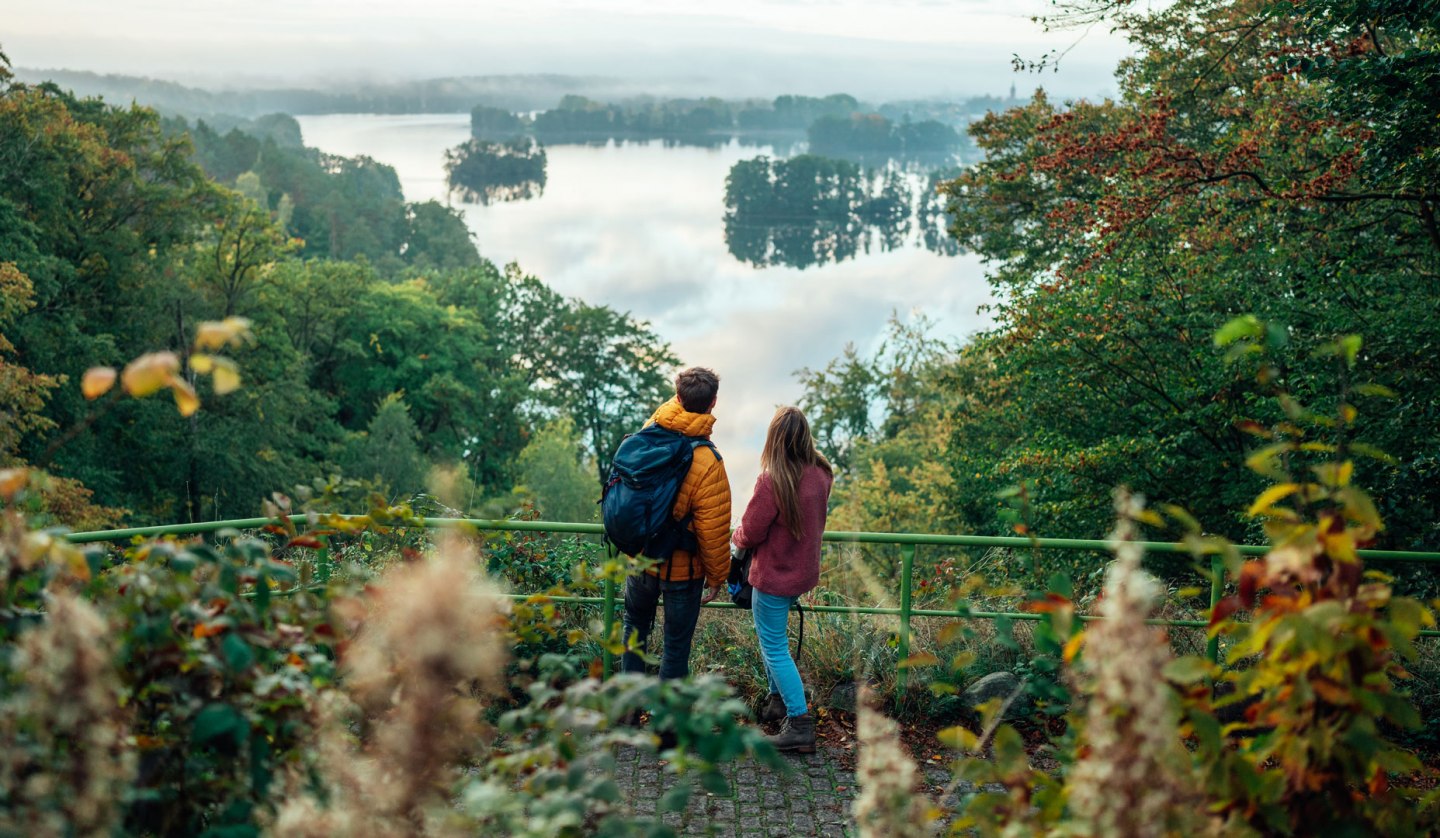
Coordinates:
[907,564]
[608,618]
[322,560]
[1217,590]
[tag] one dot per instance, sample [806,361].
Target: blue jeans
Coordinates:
[772,615]
[682,612]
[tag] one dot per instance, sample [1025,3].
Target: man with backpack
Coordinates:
[673,453]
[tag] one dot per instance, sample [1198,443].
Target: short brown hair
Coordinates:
[696,388]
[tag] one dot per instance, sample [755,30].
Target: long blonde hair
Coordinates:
[789,448]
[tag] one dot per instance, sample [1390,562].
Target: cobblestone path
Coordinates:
[812,798]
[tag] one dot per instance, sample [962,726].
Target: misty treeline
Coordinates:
[384,344]
[437,95]
[837,124]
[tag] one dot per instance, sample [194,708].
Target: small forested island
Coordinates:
[485,172]
[813,210]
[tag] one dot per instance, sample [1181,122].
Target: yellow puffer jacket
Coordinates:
[704,492]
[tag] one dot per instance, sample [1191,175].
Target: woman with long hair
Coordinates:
[783,523]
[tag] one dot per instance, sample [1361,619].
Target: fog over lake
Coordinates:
[639,227]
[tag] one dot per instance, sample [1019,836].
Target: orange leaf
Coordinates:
[1332,693]
[13,480]
[1072,647]
[1379,782]
[209,629]
[1051,603]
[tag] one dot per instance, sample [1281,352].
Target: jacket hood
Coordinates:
[676,418]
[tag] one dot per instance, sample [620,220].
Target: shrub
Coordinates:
[1296,735]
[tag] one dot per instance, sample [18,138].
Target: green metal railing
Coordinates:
[907,542]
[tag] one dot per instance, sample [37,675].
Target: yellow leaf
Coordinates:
[215,334]
[958,738]
[185,398]
[202,363]
[1072,647]
[1270,496]
[1151,517]
[150,373]
[226,376]
[97,382]
[1341,546]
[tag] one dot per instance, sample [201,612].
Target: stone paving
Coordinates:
[812,798]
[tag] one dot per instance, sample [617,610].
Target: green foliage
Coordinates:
[220,672]
[216,657]
[1249,163]
[553,475]
[1296,736]
[214,689]
[883,420]
[22,392]
[389,451]
[123,247]
[437,239]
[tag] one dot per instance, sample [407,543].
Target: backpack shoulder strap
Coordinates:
[696,442]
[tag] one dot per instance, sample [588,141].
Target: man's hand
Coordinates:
[710,595]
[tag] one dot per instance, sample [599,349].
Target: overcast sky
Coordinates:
[872,48]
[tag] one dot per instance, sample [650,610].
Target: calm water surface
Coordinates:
[638,227]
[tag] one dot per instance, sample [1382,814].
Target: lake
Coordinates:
[638,227]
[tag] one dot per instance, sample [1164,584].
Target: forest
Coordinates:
[123,232]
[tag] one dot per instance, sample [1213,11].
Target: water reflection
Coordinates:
[485,172]
[811,210]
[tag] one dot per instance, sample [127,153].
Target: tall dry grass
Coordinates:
[426,646]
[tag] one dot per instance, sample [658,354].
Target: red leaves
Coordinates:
[1051,603]
[1223,610]
[1251,574]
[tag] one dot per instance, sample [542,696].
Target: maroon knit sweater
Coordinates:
[784,565]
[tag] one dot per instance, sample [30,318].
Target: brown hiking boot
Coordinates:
[772,709]
[796,734]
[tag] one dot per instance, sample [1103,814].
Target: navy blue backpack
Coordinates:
[640,492]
